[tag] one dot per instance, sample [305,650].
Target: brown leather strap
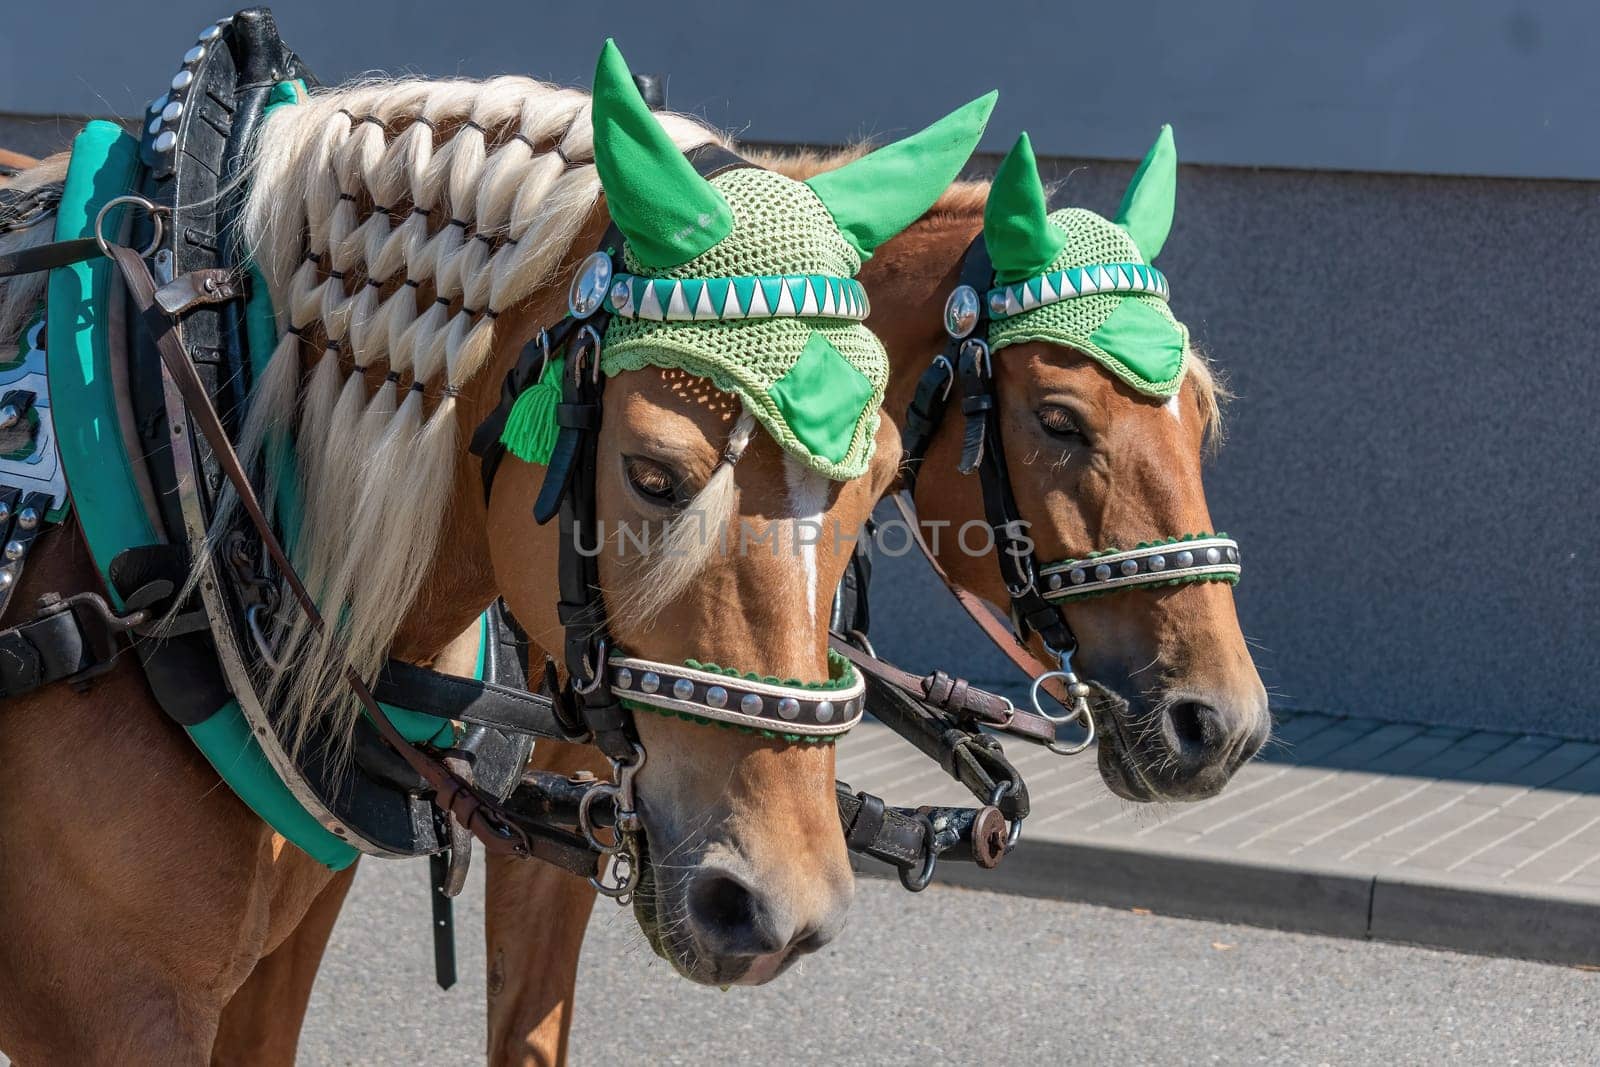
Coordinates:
[48,257]
[478,812]
[995,630]
[957,696]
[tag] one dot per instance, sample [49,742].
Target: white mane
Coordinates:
[394,221]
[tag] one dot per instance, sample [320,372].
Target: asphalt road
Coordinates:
[954,976]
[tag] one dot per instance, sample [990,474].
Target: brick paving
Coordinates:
[1468,839]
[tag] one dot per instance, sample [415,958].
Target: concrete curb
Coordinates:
[1457,914]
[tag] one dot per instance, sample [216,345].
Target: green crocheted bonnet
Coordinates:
[1078,280]
[748,279]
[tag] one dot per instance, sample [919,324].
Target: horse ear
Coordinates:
[1021,238]
[669,213]
[1147,206]
[882,193]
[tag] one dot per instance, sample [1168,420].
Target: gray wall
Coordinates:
[1501,87]
[1410,465]
[1411,461]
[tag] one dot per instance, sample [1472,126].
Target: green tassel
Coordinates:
[531,430]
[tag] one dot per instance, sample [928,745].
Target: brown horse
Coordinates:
[139,894]
[1176,655]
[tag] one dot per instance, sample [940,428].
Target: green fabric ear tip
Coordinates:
[1022,240]
[668,213]
[883,192]
[531,429]
[1149,203]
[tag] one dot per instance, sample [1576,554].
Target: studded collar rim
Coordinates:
[1193,558]
[759,704]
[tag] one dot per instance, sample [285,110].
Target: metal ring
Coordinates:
[624,886]
[1013,826]
[1080,715]
[930,858]
[586,825]
[1072,750]
[150,208]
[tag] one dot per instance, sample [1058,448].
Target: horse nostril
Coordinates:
[730,918]
[1188,720]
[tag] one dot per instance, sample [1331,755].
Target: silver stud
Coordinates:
[1055,581]
[7,579]
[624,678]
[825,711]
[1129,566]
[182,80]
[28,518]
[717,696]
[750,704]
[589,285]
[1233,554]
[154,127]
[1102,572]
[1077,576]
[1185,558]
[1157,563]
[194,55]
[158,103]
[961,312]
[1213,556]
[5,513]
[788,707]
[9,416]
[683,689]
[210,33]
[171,112]
[997,303]
[621,293]
[650,682]
[15,550]
[165,142]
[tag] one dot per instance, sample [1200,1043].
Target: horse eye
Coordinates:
[1058,422]
[653,481]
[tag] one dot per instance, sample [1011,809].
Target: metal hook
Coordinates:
[916,883]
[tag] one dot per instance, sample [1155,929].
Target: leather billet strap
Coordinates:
[477,811]
[48,257]
[974,759]
[957,697]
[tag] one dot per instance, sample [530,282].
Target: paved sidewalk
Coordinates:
[1470,840]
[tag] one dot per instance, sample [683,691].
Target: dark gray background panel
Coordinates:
[1490,87]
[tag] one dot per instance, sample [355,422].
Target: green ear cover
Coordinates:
[882,193]
[668,213]
[1147,206]
[1022,240]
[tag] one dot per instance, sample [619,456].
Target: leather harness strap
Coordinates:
[479,813]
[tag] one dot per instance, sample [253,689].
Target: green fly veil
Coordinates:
[1076,279]
[747,278]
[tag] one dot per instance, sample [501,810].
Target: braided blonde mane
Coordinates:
[394,221]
